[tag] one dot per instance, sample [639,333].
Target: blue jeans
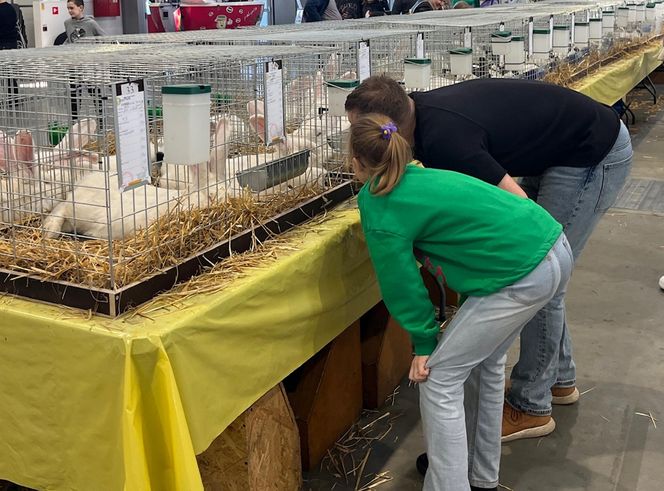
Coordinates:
[577,198]
[463,443]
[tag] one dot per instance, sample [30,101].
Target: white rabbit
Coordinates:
[77,137]
[317,125]
[293,143]
[86,211]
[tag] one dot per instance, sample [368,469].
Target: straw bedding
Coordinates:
[567,74]
[167,242]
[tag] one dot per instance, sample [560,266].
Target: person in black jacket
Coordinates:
[317,10]
[416,6]
[9,37]
[375,8]
[9,33]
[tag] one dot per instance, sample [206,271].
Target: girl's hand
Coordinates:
[418,369]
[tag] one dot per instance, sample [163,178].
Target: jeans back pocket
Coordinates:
[539,284]
[614,176]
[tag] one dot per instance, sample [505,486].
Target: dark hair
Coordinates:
[78,3]
[380,150]
[380,94]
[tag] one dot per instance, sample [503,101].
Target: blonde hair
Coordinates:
[382,153]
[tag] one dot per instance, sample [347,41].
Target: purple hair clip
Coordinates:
[388,129]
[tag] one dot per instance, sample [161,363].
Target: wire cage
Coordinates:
[69,234]
[495,44]
[388,48]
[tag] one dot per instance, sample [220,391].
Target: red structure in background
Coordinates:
[193,16]
[106,8]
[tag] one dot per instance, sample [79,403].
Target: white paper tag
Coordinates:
[468,37]
[364,61]
[550,33]
[531,28]
[298,16]
[419,48]
[274,101]
[131,135]
[572,29]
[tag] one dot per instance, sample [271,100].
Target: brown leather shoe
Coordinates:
[564,396]
[518,425]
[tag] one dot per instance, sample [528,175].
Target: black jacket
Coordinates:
[314,10]
[375,8]
[349,9]
[404,6]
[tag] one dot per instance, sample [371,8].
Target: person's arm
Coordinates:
[313,10]
[98,30]
[403,289]
[20,22]
[509,184]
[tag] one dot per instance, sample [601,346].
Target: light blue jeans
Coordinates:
[463,444]
[577,198]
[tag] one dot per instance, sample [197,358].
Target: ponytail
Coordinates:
[381,150]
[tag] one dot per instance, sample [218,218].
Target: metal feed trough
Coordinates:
[68,235]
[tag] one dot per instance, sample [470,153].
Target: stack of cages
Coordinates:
[422,57]
[488,43]
[420,49]
[355,55]
[121,180]
[601,29]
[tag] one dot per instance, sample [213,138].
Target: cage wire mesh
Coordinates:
[63,216]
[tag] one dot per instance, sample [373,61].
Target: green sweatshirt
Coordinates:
[475,237]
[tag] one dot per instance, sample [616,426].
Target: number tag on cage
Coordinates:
[274,102]
[467,37]
[364,61]
[419,48]
[299,13]
[131,135]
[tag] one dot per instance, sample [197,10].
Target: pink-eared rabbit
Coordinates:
[315,124]
[78,136]
[88,213]
[28,187]
[86,210]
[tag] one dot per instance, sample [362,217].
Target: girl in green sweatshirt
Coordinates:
[506,254]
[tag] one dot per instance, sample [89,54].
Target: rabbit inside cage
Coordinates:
[55,194]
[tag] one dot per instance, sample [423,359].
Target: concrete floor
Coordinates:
[616,314]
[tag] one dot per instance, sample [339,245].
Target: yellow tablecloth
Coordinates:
[610,84]
[127,404]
